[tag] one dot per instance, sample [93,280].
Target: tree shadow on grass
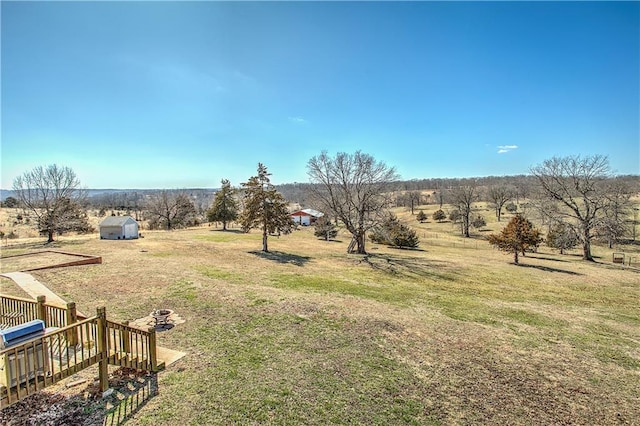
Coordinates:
[228,231]
[407,266]
[548,269]
[281,257]
[537,256]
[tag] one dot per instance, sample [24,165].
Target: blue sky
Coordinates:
[184,94]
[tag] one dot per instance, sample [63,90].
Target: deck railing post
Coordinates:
[103,366]
[72,318]
[126,339]
[42,309]
[153,356]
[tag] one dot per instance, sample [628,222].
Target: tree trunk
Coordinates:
[265,236]
[360,241]
[586,245]
[586,251]
[515,256]
[224,225]
[498,213]
[49,235]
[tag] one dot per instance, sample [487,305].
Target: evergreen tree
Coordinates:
[421,217]
[225,207]
[324,228]
[439,215]
[394,233]
[563,237]
[518,236]
[264,207]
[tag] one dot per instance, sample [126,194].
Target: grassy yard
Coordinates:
[452,333]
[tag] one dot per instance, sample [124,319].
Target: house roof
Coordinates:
[116,220]
[307,212]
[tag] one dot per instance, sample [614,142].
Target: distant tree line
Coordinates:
[577,198]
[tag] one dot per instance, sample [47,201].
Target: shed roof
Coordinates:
[116,220]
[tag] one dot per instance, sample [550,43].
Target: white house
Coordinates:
[306,217]
[118,228]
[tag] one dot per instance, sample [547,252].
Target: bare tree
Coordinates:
[171,210]
[355,188]
[414,198]
[498,196]
[54,196]
[462,197]
[613,225]
[579,185]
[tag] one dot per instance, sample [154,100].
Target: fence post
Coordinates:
[103,349]
[72,318]
[153,356]
[42,309]
[126,340]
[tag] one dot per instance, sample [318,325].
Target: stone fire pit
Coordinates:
[161,316]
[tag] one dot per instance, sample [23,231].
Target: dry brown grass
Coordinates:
[448,334]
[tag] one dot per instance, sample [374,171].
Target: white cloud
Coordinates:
[506,148]
[297,120]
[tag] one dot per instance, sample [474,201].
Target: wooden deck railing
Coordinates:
[16,310]
[62,351]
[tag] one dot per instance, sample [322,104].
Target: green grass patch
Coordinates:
[225,237]
[530,318]
[183,289]
[221,274]
[279,369]
[380,291]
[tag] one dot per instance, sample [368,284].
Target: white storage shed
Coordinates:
[118,228]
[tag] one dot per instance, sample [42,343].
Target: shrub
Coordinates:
[511,208]
[561,236]
[324,228]
[439,215]
[421,217]
[395,234]
[479,222]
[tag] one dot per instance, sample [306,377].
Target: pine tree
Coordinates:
[324,228]
[563,237]
[439,215]
[264,207]
[225,207]
[421,216]
[518,236]
[394,233]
